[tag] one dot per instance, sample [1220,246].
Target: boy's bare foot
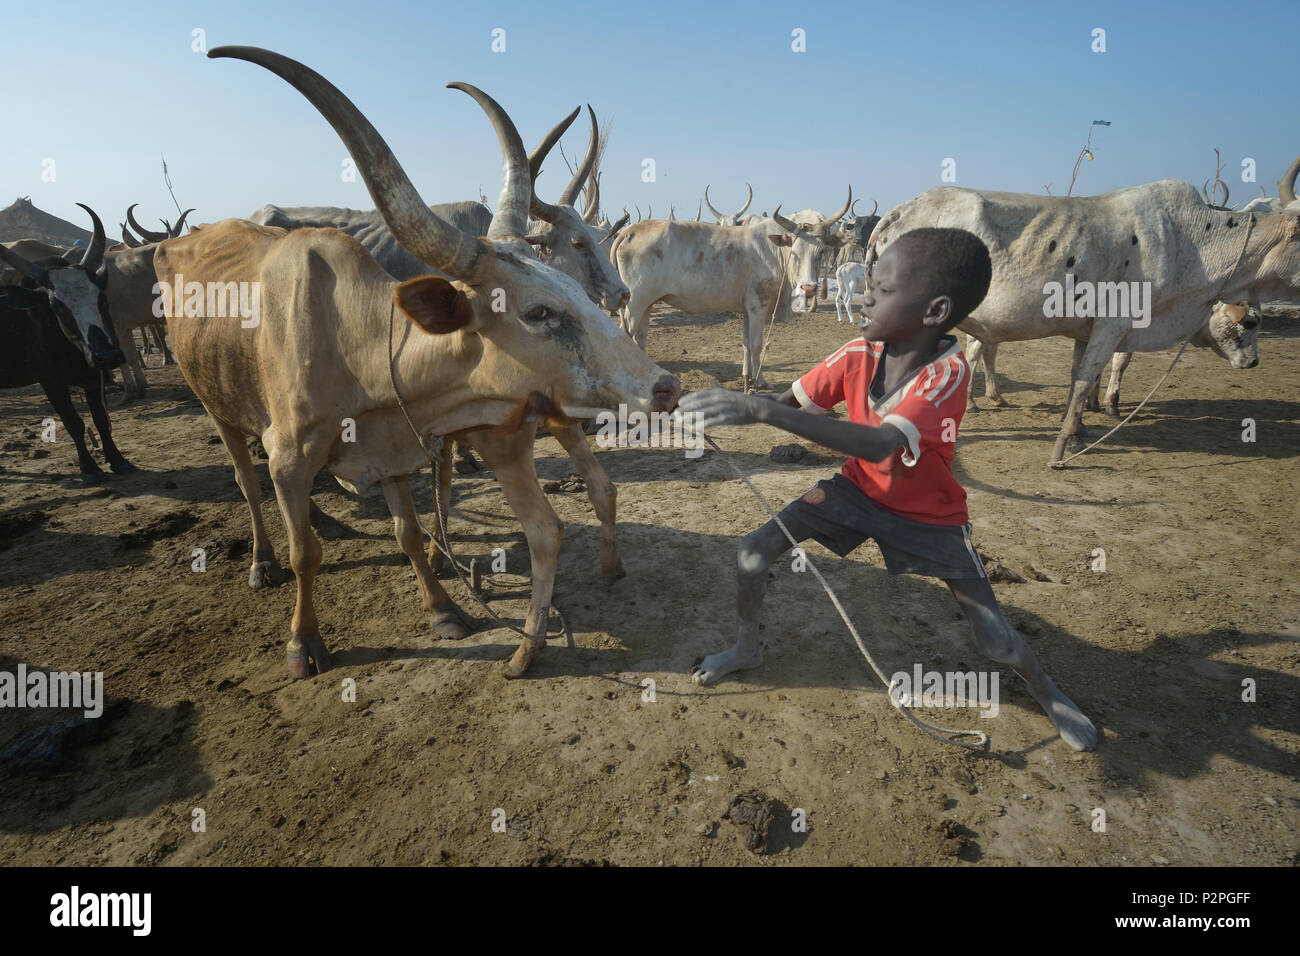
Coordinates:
[1076,729]
[738,657]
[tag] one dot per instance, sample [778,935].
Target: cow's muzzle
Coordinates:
[808,291]
[666,392]
[101,353]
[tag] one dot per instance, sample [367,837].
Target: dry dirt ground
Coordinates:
[1199,594]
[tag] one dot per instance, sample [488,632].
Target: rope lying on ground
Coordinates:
[981,741]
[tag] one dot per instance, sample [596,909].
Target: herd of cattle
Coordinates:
[425,325]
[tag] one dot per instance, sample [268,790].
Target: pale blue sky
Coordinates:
[711,91]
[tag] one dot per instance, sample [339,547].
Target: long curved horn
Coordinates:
[638,213]
[131,241]
[831,220]
[584,168]
[94,256]
[539,209]
[180,223]
[784,223]
[148,235]
[414,225]
[853,210]
[29,269]
[699,209]
[1286,185]
[511,217]
[710,205]
[747,202]
[874,206]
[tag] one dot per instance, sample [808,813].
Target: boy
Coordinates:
[905,385]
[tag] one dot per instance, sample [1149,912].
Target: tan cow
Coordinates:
[319,355]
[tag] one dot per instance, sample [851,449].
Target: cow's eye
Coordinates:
[1250,325]
[539,313]
[580,243]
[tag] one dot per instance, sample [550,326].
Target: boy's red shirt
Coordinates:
[916,481]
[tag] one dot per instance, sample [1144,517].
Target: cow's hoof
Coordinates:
[307,657]
[1074,443]
[122,467]
[518,665]
[614,571]
[449,625]
[1092,406]
[998,401]
[1111,411]
[264,574]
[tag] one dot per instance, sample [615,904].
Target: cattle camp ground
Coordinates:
[1154,576]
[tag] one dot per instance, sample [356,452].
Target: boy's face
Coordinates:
[898,306]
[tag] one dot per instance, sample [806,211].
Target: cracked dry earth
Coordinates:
[575,764]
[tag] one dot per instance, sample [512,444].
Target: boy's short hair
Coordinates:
[951,262]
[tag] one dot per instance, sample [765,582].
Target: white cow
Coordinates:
[1135,270]
[849,278]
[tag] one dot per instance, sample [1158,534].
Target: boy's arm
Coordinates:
[721,407]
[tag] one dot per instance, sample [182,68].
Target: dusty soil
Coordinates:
[1200,592]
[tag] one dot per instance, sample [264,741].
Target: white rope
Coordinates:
[981,741]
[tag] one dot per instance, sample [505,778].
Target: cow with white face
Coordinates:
[811,235]
[1145,265]
[1232,333]
[722,218]
[700,267]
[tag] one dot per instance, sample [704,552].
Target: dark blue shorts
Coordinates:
[845,517]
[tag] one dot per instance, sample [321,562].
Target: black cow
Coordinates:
[55,331]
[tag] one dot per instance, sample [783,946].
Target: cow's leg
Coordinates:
[292,475]
[99,415]
[447,619]
[133,380]
[265,569]
[991,390]
[974,349]
[1101,346]
[601,491]
[995,637]
[1118,365]
[1090,401]
[441,487]
[160,336]
[61,399]
[509,453]
[752,333]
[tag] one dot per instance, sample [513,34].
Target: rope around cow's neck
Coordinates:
[981,741]
[435,458]
[1250,224]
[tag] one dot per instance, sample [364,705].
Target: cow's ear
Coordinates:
[780,239]
[434,304]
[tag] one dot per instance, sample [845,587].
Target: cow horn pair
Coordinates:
[544,210]
[420,231]
[91,260]
[822,228]
[853,209]
[740,213]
